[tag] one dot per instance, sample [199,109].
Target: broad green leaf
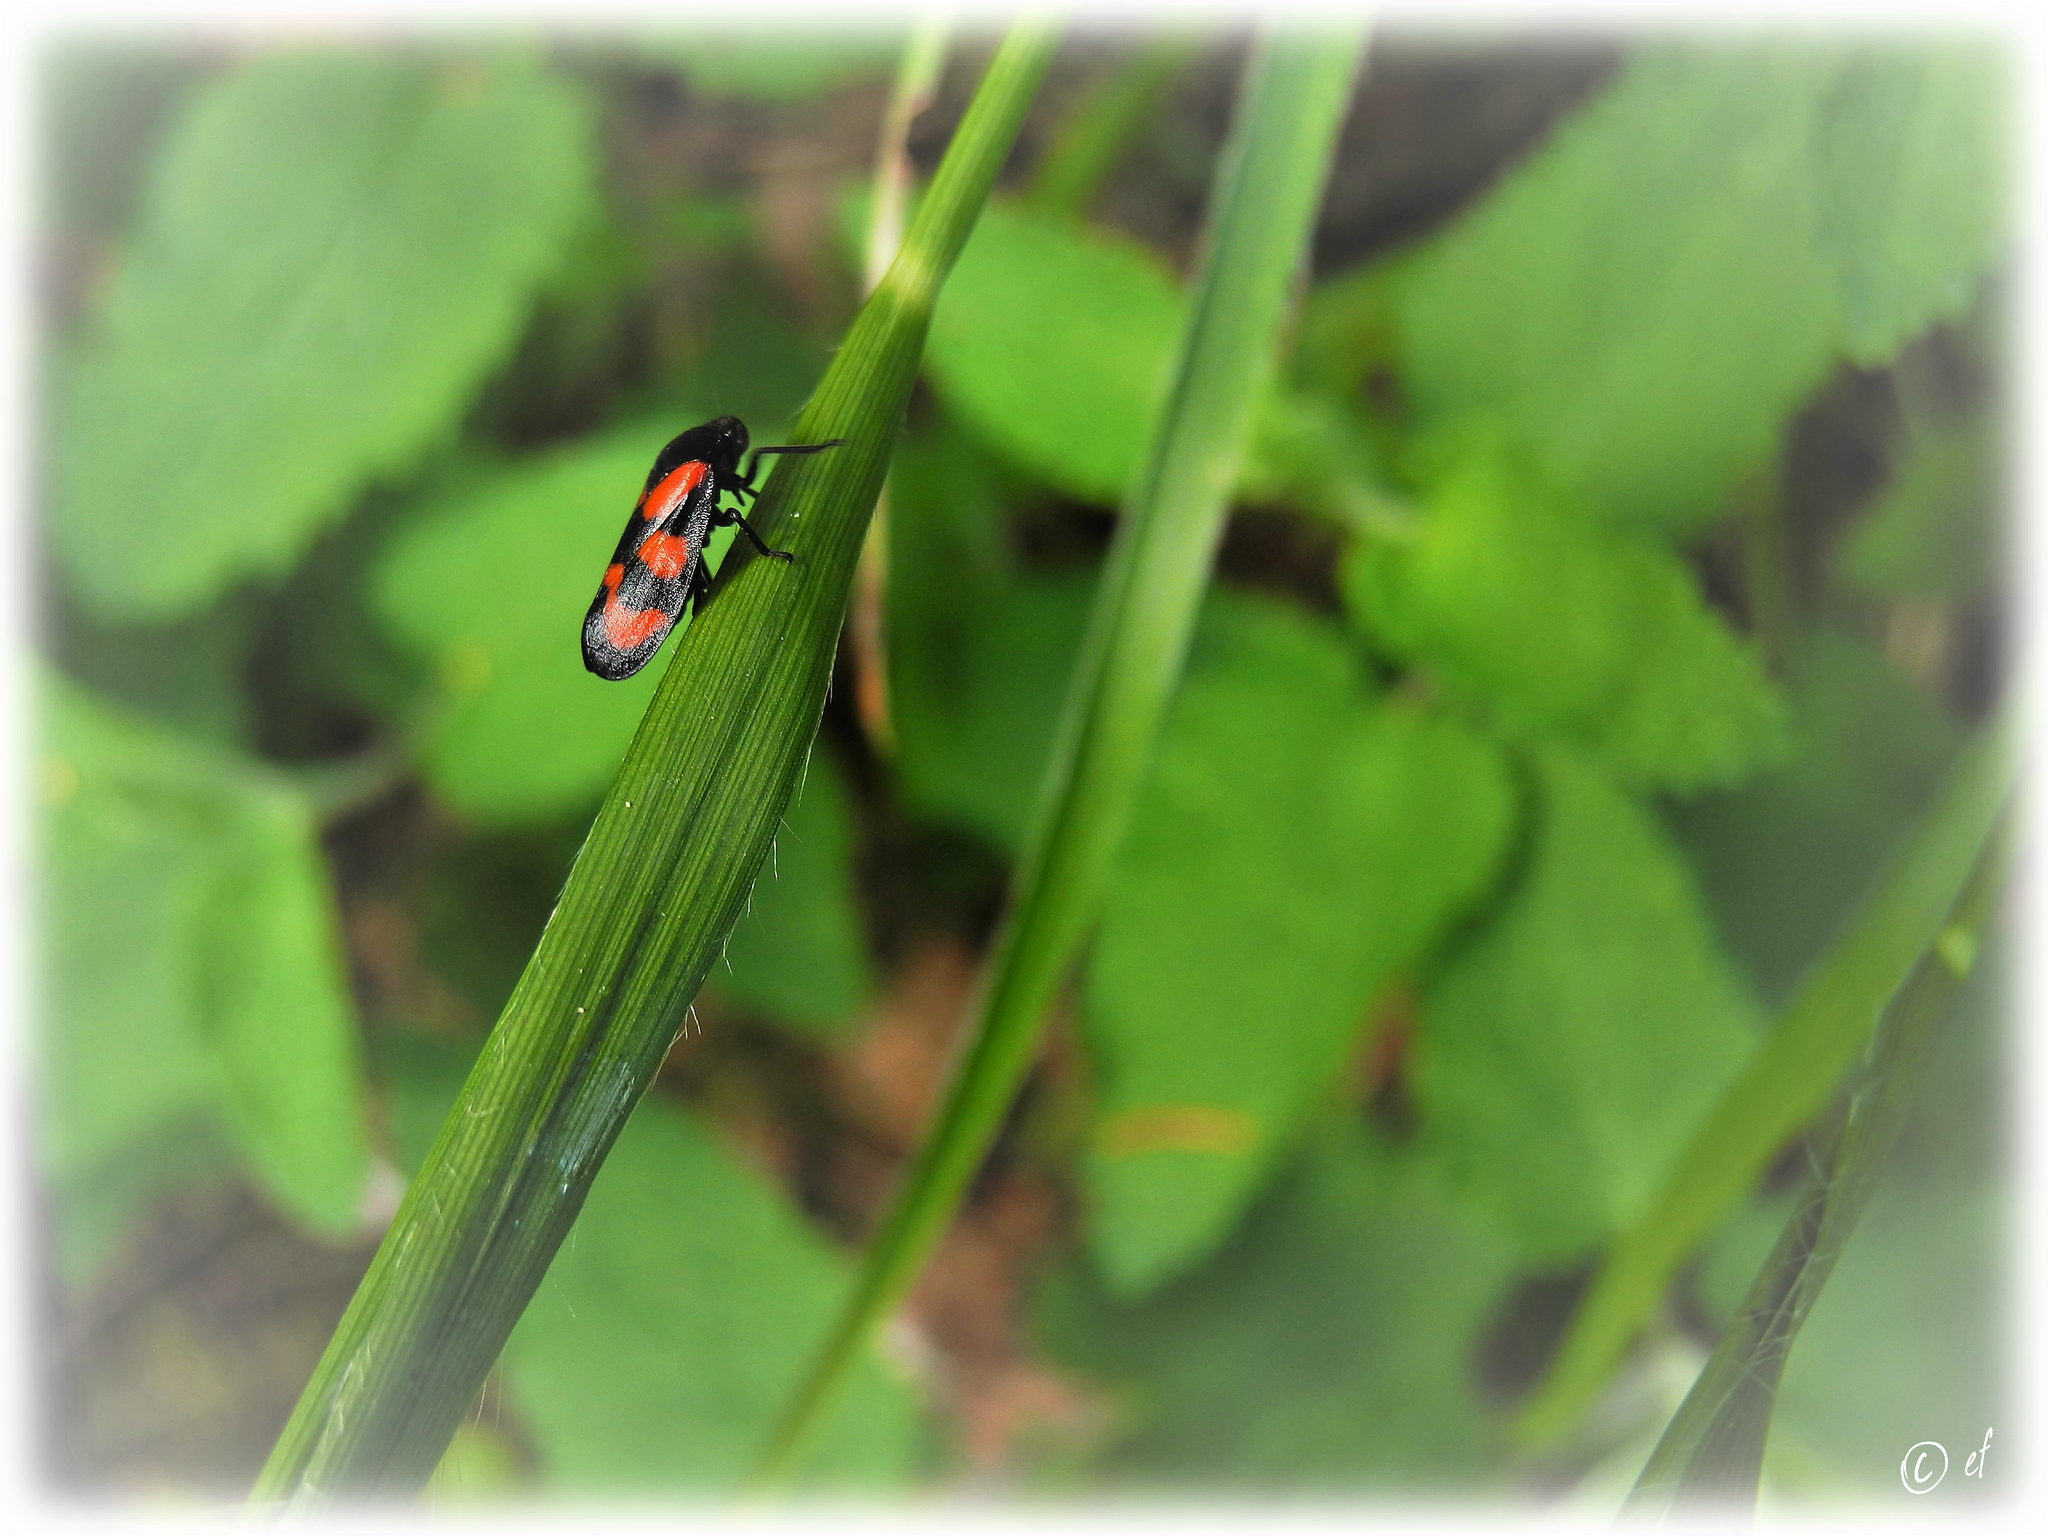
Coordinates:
[489,588]
[337,247]
[799,954]
[1914,186]
[1328,1346]
[1566,1056]
[1298,840]
[1935,532]
[1643,301]
[1054,344]
[1784,859]
[191,963]
[673,1321]
[1560,626]
[1053,341]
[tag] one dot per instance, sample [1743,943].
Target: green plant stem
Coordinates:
[1085,147]
[917,77]
[1711,1453]
[1267,189]
[1787,1083]
[659,882]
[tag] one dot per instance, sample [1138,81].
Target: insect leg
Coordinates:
[748,529]
[700,587]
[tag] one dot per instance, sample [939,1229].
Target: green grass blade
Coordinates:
[1787,1083]
[1267,190]
[660,881]
[1711,1453]
[1084,149]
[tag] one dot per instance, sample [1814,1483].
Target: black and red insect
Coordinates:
[658,567]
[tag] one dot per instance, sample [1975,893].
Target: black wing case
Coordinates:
[658,563]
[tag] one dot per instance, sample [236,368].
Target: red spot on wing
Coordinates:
[665,555]
[630,628]
[613,575]
[668,495]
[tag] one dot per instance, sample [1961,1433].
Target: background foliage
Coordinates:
[1613,581]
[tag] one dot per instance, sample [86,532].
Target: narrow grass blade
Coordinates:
[1711,1453]
[917,78]
[1085,148]
[1788,1081]
[658,884]
[1267,190]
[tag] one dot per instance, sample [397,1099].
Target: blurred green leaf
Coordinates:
[480,1466]
[1327,1346]
[745,357]
[1788,1078]
[1913,186]
[337,247]
[949,553]
[190,675]
[1784,859]
[1642,302]
[92,1210]
[1935,532]
[975,726]
[776,64]
[484,902]
[799,954]
[1309,449]
[1566,1056]
[228,998]
[489,587]
[1347,328]
[674,1320]
[1298,840]
[418,1078]
[1055,342]
[1558,625]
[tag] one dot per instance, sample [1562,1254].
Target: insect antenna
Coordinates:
[754,463]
